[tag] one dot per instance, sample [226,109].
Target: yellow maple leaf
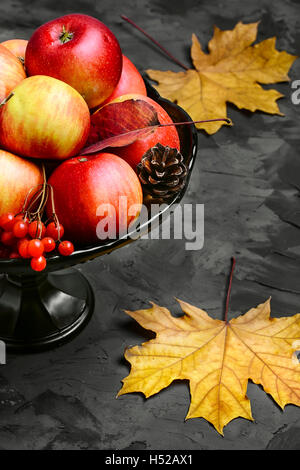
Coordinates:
[230,72]
[218,358]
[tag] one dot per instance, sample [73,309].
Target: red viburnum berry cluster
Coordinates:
[24,235]
[24,239]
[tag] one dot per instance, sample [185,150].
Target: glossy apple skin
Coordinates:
[11,72]
[131,81]
[46,118]
[17,177]
[167,136]
[91,61]
[16,46]
[82,184]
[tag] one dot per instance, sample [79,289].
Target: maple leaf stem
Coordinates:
[229,290]
[155,42]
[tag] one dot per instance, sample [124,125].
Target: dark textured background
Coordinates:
[248,177]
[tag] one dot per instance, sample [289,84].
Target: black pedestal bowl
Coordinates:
[42,310]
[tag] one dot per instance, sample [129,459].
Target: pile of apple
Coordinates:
[50,87]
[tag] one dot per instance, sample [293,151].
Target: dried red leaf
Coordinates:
[118,140]
[120,118]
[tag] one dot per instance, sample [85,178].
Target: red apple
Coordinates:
[11,72]
[45,118]
[131,81]
[17,177]
[82,184]
[17,47]
[165,135]
[81,51]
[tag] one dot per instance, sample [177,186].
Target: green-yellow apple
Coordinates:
[11,72]
[17,47]
[81,51]
[45,118]
[17,177]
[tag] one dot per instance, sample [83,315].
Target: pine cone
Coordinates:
[162,172]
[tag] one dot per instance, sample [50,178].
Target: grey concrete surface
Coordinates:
[248,177]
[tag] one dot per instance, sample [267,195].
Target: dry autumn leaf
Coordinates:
[230,72]
[139,119]
[218,358]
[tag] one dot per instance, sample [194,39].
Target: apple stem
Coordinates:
[6,99]
[65,36]
[155,42]
[229,290]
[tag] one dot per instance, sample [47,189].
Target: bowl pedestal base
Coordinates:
[43,310]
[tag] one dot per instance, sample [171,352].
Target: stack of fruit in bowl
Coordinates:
[67,88]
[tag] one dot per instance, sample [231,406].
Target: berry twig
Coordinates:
[229,290]
[24,235]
